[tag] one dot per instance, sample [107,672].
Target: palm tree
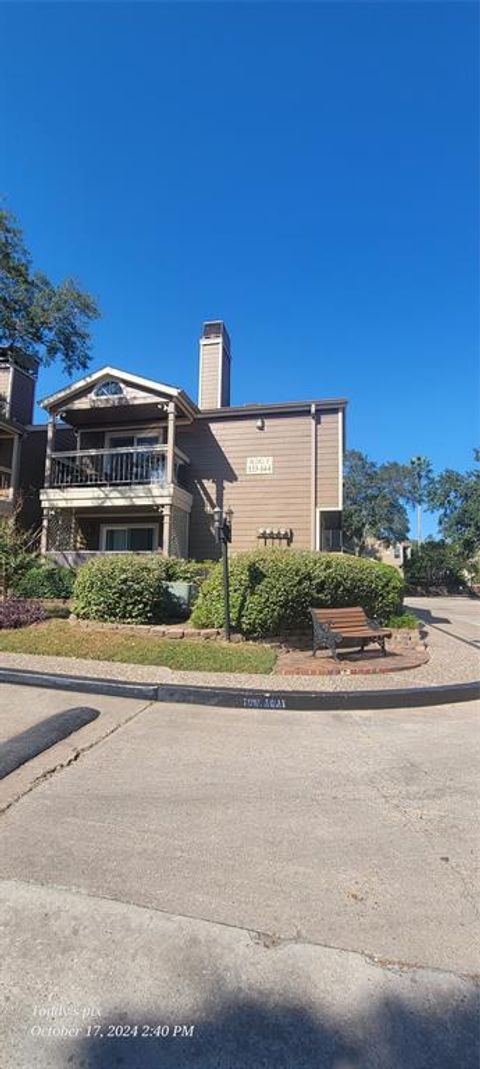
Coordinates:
[418,482]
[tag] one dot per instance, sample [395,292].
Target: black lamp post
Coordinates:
[223,535]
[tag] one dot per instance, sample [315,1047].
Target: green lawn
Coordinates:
[57,638]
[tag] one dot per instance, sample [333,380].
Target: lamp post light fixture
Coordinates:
[223,535]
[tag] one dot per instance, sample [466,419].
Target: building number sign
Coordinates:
[259,465]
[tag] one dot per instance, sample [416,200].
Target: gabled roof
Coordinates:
[69,393]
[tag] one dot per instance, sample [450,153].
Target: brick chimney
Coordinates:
[18,377]
[214,379]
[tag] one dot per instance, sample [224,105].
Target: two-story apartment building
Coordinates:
[128,463]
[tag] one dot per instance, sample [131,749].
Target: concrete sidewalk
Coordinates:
[224,998]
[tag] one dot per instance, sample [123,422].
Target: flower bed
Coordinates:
[19,612]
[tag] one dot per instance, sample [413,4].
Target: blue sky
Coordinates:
[306,172]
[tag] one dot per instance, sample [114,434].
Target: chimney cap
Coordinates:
[215,328]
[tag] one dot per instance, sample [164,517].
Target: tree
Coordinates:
[16,551]
[44,320]
[457,497]
[417,483]
[372,505]
[435,567]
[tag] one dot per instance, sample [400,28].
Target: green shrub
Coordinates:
[127,589]
[46,581]
[190,571]
[435,567]
[398,621]
[271,591]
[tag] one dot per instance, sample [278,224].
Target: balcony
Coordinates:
[133,476]
[114,467]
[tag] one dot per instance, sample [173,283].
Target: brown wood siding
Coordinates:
[21,402]
[4,377]
[6,451]
[219,449]
[209,371]
[328,460]
[32,470]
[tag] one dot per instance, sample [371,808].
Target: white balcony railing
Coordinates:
[113,467]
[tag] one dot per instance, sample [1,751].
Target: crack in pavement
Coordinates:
[61,765]
[267,940]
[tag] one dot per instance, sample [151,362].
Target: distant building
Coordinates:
[395,553]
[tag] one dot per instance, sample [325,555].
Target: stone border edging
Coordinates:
[238,698]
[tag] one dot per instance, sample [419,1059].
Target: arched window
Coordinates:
[109,388]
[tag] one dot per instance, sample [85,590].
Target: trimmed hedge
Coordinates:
[46,581]
[127,589]
[271,591]
[191,571]
[131,589]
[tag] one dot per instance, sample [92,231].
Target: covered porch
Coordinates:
[120,484]
[74,536]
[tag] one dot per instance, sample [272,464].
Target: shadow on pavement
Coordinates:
[248,1034]
[428,616]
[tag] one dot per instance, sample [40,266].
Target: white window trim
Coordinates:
[96,392]
[110,437]
[340,460]
[318,521]
[104,527]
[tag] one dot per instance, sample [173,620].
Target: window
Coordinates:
[109,388]
[134,458]
[130,441]
[137,538]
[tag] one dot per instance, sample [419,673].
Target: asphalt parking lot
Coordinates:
[298,887]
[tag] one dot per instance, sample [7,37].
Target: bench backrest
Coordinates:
[353,619]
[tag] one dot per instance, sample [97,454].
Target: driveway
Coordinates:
[454,616]
[269,888]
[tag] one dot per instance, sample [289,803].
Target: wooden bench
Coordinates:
[333,626]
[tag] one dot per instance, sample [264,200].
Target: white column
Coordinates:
[50,448]
[313,478]
[44,534]
[167,526]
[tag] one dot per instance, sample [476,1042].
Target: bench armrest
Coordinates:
[324,631]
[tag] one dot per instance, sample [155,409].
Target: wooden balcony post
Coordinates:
[15,473]
[170,443]
[44,532]
[50,448]
[167,526]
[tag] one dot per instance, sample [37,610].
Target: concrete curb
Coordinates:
[239,698]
